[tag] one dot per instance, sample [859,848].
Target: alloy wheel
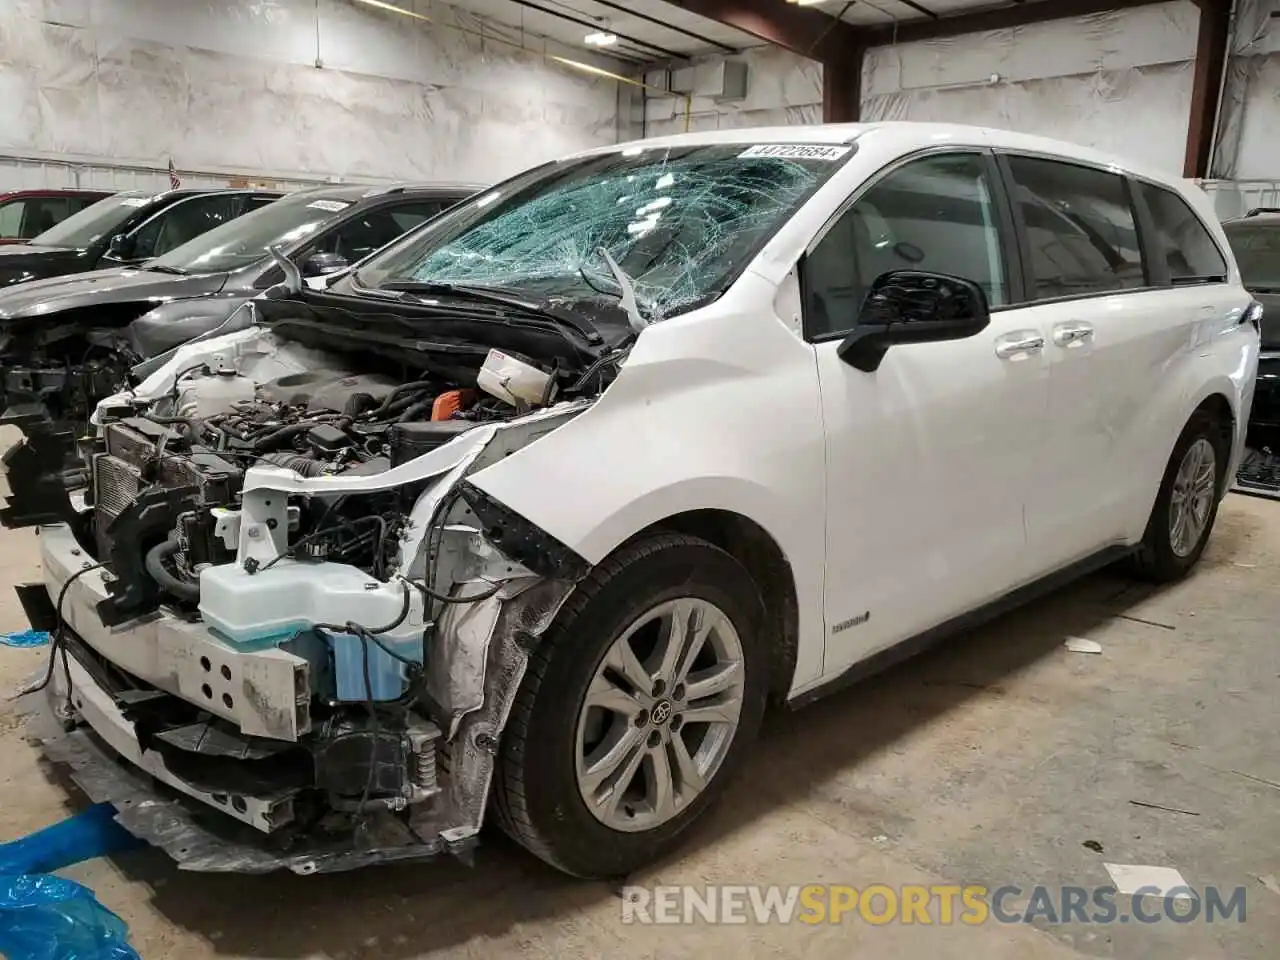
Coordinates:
[1191,503]
[660,714]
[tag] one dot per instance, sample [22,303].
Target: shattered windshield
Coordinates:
[95,222]
[245,240]
[681,223]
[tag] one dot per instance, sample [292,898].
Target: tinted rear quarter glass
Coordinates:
[1182,239]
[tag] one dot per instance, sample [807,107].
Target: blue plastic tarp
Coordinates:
[46,917]
[43,917]
[25,638]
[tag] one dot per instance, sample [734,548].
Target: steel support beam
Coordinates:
[1206,85]
[842,88]
[994,18]
[809,33]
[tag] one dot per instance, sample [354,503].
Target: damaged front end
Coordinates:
[49,400]
[288,630]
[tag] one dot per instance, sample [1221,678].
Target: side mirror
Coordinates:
[320,264]
[913,306]
[121,247]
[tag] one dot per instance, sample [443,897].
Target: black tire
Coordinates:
[536,797]
[1155,559]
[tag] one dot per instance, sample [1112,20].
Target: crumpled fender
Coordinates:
[715,409]
[179,321]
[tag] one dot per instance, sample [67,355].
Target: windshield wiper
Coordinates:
[165,268]
[486,295]
[627,298]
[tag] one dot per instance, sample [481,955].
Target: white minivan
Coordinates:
[531,514]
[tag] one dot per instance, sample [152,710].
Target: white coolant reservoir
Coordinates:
[513,380]
[215,393]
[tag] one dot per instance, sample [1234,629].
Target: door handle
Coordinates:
[1010,346]
[1067,334]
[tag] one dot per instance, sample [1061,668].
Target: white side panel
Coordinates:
[293,90]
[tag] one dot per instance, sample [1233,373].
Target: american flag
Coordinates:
[174,181]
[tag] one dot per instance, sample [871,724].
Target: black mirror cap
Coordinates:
[320,264]
[913,306]
[121,246]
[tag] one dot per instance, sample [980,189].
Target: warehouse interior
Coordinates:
[1111,722]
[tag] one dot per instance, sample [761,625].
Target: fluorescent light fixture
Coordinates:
[392,8]
[806,3]
[600,39]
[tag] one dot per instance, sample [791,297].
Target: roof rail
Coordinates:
[1259,210]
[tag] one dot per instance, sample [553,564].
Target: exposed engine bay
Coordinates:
[300,612]
[155,473]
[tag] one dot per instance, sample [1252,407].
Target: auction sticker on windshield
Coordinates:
[328,206]
[795,151]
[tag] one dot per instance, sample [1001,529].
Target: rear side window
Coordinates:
[1182,239]
[1080,227]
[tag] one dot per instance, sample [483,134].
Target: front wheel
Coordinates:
[637,705]
[1187,503]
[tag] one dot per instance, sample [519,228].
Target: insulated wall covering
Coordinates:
[1249,137]
[295,89]
[1117,81]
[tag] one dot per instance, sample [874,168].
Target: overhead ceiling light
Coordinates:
[806,3]
[392,8]
[600,39]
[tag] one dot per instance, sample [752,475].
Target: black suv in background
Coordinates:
[190,290]
[68,342]
[1255,240]
[126,228]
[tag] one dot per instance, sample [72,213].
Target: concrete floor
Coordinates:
[990,760]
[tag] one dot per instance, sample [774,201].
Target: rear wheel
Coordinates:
[1187,503]
[637,705]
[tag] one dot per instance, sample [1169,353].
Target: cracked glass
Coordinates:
[681,223]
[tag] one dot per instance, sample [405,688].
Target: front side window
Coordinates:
[1257,250]
[363,234]
[680,222]
[1181,239]
[933,214]
[184,221]
[1081,229]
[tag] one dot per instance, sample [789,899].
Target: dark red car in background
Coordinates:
[26,213]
